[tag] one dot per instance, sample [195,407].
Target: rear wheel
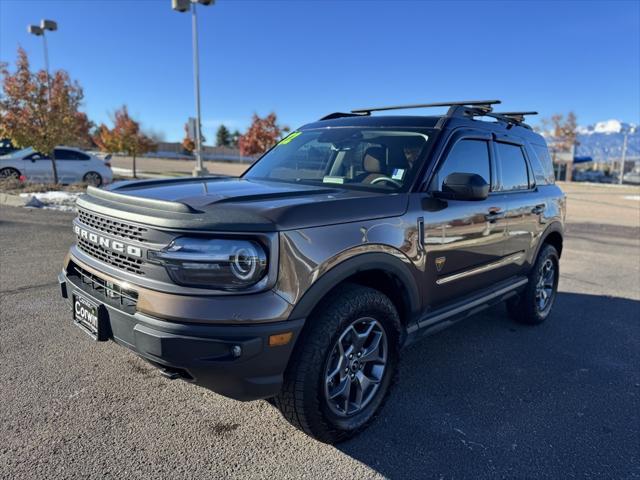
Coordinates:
[534,304]
[9,172]
[341,372]
[92,178]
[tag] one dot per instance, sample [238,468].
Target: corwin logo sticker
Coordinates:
[107,242]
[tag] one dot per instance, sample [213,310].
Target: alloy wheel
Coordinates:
[356,367]
[545,286]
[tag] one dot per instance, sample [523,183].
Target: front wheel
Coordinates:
[341,372]
[9,172]
[534,304]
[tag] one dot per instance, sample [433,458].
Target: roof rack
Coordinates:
[516,116]
[465,108]
[480,104]
[333,115]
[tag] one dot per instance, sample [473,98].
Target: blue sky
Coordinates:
[305,59]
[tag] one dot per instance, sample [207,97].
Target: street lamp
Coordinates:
[183,6]
[38,31]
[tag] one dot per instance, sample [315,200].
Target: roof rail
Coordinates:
[480,104]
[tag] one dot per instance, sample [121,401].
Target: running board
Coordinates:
[450,314]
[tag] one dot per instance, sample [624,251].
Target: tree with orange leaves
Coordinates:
[39,112]
[125,137]
[261,136]
[187,142]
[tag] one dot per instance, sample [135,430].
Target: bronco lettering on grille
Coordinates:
[108,243]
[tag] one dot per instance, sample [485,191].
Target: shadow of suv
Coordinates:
[302,280]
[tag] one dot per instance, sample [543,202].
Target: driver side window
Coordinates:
[466,156]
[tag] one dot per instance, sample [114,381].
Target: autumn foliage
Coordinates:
[124,137]
[563,130]
[261,136]
[188,143]
[31,117]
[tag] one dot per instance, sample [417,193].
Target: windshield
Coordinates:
[373,158]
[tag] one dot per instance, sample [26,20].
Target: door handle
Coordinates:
[538,209]
[494,215]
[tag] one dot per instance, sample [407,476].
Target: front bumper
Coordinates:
[234,360]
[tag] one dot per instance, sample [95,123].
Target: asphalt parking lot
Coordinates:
[485,399]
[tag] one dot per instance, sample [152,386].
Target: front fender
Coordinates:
[357,260]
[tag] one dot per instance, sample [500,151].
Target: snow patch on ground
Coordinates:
[64,201]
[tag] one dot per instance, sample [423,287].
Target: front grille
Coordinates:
[112,227]
[112,258]
[110,291]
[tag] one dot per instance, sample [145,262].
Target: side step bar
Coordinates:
[450,314]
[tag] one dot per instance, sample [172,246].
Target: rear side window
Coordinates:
[466,156]
[513,167]
[63,154]
[543,166]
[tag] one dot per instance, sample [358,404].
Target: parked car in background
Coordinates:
[73,166]
[632,177]
[6,146]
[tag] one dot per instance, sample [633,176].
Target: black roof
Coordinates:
[377,121]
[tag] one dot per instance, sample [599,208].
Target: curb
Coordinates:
[12,200]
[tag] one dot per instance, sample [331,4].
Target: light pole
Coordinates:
[38,31]
[623,160]
[183,6]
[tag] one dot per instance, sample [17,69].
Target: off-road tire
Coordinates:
[302,400]
[525,308]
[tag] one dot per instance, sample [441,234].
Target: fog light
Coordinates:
[236,350]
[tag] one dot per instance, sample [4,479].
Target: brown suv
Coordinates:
[302,280]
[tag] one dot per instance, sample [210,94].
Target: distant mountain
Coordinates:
[603,141]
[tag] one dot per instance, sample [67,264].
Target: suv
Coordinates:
[301,280]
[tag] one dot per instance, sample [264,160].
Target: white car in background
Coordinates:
[73,166]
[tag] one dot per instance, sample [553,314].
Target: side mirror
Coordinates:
[464,186]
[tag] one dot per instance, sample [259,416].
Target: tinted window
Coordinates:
[466,156]
[544,169]
[513,167]
[62,154]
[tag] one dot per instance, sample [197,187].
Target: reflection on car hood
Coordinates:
[234,204]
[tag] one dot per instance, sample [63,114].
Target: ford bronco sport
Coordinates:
[301,280]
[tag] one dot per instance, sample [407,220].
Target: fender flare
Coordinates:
[361,263]
[554,227]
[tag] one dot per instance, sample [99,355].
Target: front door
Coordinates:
[463,240]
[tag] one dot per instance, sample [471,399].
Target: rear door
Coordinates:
[525,206]
[71,165]
[463,240]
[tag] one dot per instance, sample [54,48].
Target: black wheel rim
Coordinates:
[355,367]
[546,285]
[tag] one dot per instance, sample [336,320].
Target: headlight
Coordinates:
[214,263]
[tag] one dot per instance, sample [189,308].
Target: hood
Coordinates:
[236,204]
